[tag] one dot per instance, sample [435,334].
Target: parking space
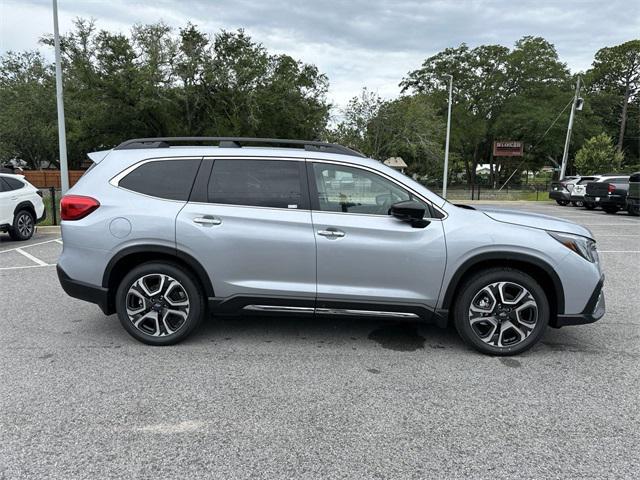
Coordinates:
[313,398]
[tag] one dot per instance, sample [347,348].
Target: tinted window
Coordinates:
[352,190]
[259,183]
[171,179]
[12,184]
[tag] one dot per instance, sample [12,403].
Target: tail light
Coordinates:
[75,207]
[611,188]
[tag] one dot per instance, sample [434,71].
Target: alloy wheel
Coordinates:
[157,305]
[503,314]
[25,225]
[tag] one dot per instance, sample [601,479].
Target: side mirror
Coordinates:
[410,212]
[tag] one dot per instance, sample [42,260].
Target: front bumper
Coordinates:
[593,311]
[84,291]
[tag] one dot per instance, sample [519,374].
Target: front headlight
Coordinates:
[583,246]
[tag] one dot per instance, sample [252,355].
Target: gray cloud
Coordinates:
[357,43]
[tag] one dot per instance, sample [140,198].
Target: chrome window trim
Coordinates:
[115,181]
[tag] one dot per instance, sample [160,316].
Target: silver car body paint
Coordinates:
[278,252]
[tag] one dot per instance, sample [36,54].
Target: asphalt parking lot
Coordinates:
[303,398]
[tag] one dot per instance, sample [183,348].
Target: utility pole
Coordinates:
[567,142]
[446,147]
[62,137]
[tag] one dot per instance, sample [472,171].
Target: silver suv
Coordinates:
[164,233]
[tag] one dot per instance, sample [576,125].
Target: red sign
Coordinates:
[508,149]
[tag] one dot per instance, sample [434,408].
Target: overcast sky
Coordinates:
[356,43]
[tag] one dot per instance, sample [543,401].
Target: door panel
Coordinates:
[249,250]
[364,254]
[379,258]
[7,205]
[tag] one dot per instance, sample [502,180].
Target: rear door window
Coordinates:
[170,179]
[259,183]
[12,184]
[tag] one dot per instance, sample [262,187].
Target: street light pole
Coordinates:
[567,142]
[62,137]
[446,147]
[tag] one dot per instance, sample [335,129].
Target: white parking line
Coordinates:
[618,251]
[31,245]
[58,240]
[31,257]
[28,266]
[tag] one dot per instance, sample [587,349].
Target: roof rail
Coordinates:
[238,142]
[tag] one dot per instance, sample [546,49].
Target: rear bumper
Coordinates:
[559,195]
[84,291]
[576,198]
[593,311]
[606,200]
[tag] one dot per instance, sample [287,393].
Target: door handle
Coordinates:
[331,233]
[207,220]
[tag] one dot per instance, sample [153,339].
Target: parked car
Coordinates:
[561,190]
[610,193]
[633,196]
[164,234]
[580,189]
[21,206]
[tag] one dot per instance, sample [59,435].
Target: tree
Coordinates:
[617,69]
[598,155]
[155,82]
[491,81]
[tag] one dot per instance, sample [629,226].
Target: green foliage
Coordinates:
[155,82]
[598,155]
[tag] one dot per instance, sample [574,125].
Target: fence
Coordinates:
[483,192]
[50,178]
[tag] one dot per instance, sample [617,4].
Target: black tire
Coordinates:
[528,335]
[610,209]
[172,330]
[24,226]
[589,205]
[562,203]
[634,210]
[577,204]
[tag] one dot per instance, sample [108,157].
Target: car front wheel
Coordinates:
[159,303]
[24,225]
[562,203]
[501,311]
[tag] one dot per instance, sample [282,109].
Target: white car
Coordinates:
[21,206]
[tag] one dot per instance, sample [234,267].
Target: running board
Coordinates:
[329,311]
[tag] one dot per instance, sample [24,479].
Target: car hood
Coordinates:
[536,220]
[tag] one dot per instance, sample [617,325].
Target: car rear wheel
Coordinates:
[501,311]
[634,210]
[562,203]
[159,303]
[576,204]
[589,205]
[24,226]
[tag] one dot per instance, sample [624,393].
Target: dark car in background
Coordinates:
[610,193]
[561,190]
[633,196]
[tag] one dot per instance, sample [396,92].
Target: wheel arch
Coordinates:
[540,270]
[25,205]
[130,257]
